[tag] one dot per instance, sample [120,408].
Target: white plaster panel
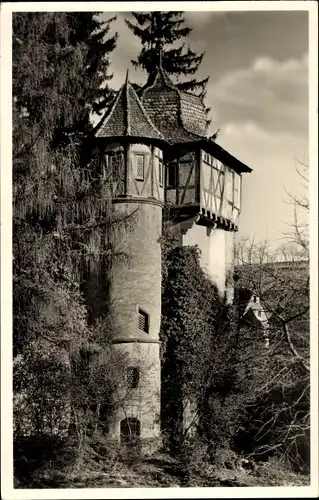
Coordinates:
[213,255]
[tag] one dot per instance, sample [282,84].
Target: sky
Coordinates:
[258,94]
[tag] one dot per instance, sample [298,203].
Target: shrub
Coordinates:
[192,457]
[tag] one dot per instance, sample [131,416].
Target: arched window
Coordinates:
[133,377]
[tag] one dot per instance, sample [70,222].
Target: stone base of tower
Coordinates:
[141,446]
[145,439]
[135,422]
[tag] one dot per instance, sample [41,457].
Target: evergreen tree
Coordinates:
[54,89]
[157,32]
[62,216]
[65,60]
[85,27]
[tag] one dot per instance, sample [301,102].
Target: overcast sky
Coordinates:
[258,93]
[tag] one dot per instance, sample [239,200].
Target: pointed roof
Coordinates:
[179,115]
[162,113]
[127,117]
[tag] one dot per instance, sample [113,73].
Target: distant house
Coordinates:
[263,289]
[252,313]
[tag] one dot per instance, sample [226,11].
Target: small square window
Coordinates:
[140,167]
[143,321]
[133,377]
[160,172]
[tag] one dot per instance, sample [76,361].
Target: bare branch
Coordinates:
[290,343]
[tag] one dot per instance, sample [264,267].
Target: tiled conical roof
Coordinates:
[162,113]
[179,115]
[127,117]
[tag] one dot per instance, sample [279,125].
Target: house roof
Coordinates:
[248,305]
[179,115]
[218,152]
[162,112]
[127,117]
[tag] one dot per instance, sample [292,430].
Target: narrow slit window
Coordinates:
[140,167]
[160,172]
[133,377]
[143,321]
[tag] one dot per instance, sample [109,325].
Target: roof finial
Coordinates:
[126,78]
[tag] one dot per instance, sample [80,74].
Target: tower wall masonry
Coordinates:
[136,283]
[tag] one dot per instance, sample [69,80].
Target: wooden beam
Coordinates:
[152,162]
[126,166]
[177,181]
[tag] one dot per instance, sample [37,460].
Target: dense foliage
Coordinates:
[218,370]
[60,69]
[62,225]
[193,327]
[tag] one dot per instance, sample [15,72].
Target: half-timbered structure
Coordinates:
[155,147]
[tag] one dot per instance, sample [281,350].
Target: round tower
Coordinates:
[132,149]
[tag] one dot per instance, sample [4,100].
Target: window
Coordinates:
[237,180]
[172,175]
[160,171]
[259,314]
[140,167]
[133,377]
[233,188]
[232,185]
[207,158]
[143,321]
[229,185]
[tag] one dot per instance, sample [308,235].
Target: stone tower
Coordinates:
[131,149]
[156,148]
